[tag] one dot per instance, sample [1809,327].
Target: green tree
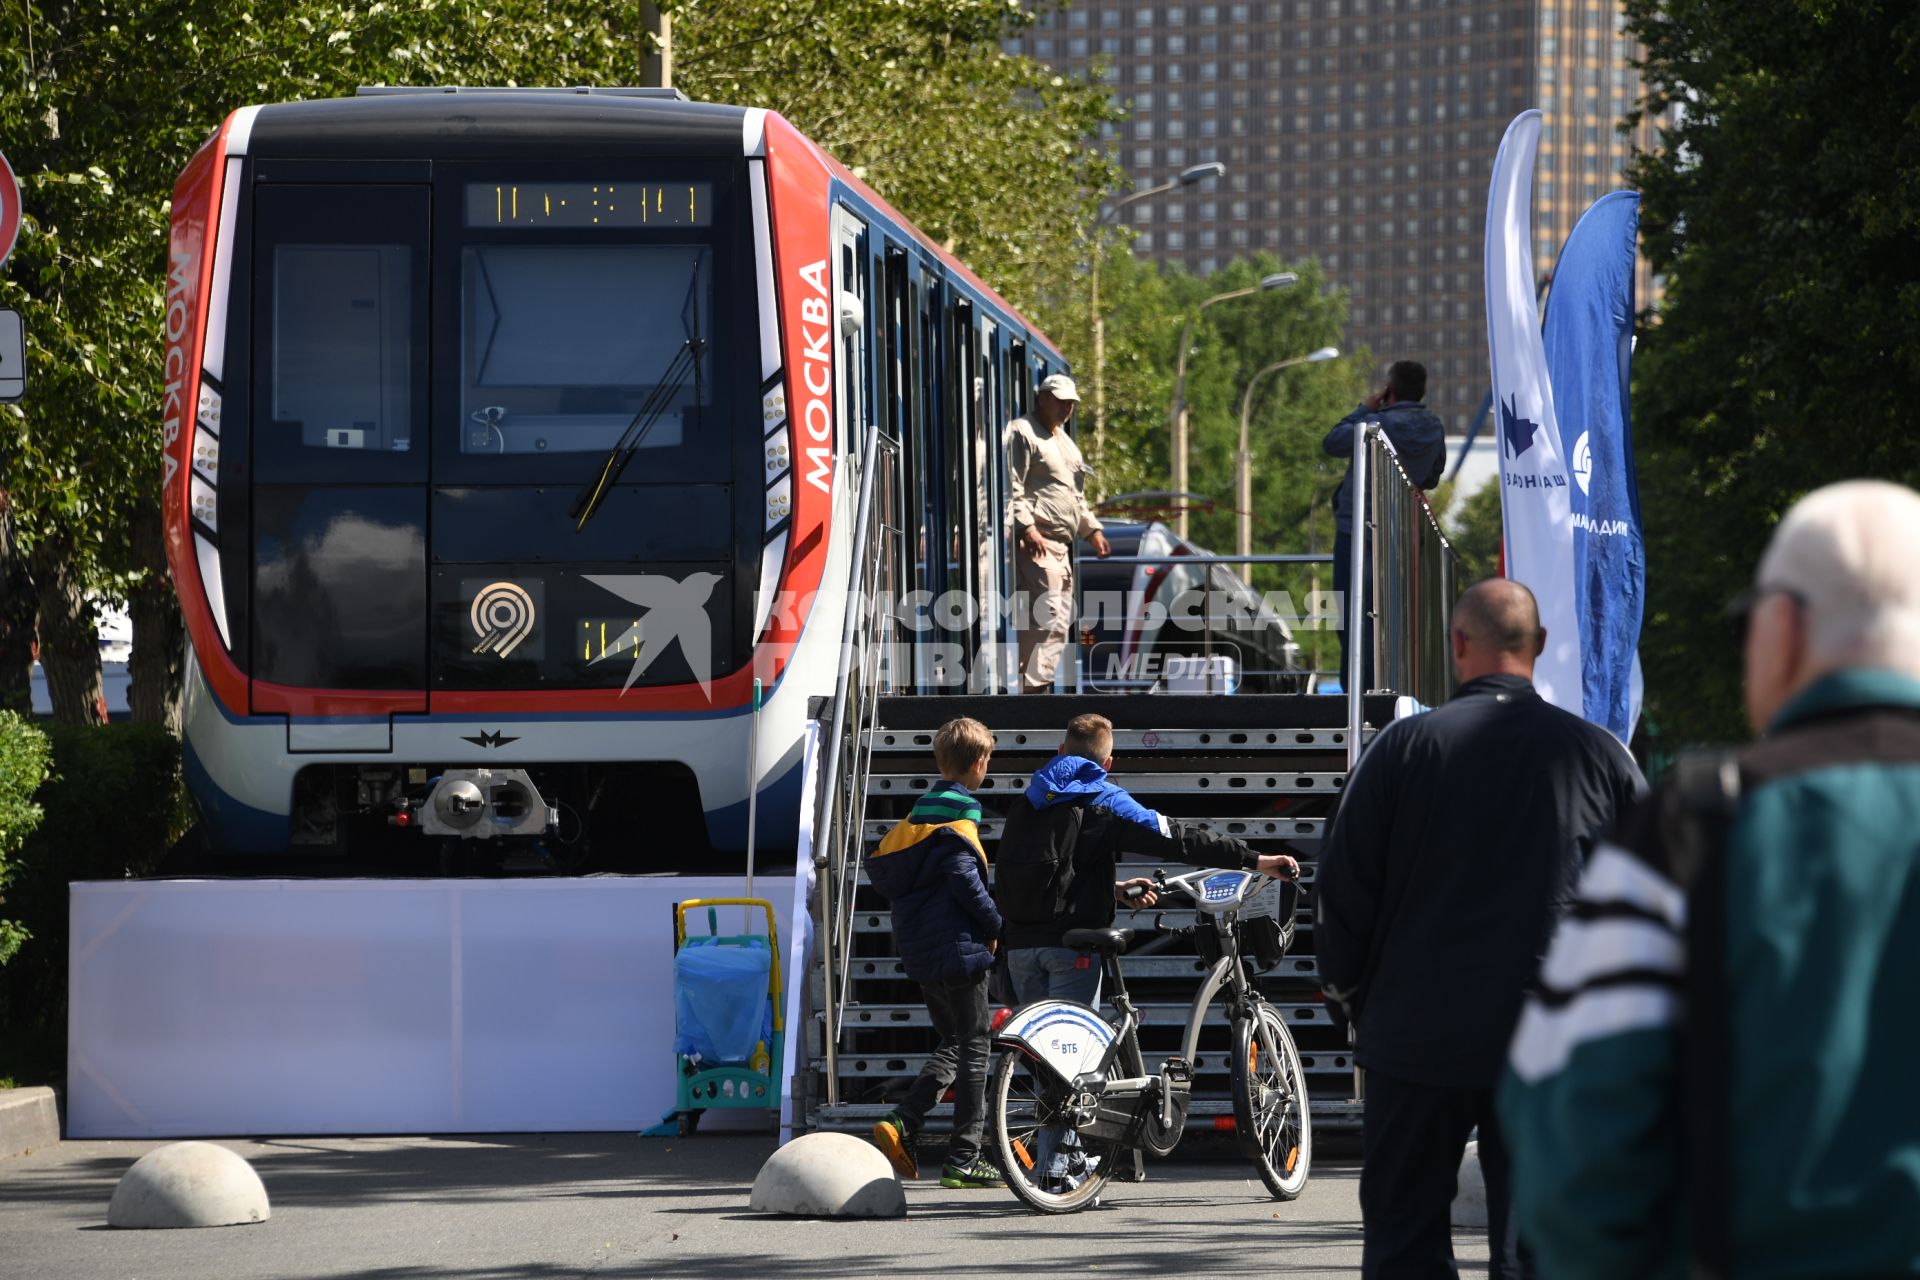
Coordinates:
[1146,310]
[1783,209]
[102,103]
[1474,526]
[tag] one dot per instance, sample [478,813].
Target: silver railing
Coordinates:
[1414,583]
[863,675]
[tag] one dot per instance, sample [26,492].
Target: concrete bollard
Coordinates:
[188,1184]
[828,1175]
[1470,1193]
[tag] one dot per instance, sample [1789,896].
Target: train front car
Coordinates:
[501,461]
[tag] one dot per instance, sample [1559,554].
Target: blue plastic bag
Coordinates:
[720,1000]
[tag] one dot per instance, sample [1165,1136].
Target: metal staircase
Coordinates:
[1264,769]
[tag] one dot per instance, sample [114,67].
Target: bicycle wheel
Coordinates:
[1270,1102]
[1024,1104]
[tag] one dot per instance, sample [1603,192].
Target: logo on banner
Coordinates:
[1518,431]
[1582,462]
[502,616]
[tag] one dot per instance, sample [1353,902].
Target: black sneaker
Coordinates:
[895,1139]
[978,1172]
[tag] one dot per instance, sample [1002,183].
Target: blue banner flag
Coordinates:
[1588,335]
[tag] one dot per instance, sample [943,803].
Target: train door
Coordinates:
[856,273]
[851,287]
[339,421]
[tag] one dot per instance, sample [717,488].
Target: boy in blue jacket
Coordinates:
[932,869]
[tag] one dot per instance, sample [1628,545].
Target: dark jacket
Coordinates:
[934,874]
[1418,437]
[1112,823]
[1459,837]
[1803,1027]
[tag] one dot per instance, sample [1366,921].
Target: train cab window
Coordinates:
[564,345]
[340,383]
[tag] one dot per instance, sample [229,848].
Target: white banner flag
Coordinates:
[1535,505]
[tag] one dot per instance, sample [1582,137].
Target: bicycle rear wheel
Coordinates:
[1270,1102]
[1025,1102]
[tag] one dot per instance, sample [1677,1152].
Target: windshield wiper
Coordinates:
[685,361]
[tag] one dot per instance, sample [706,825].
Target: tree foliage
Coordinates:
[1783,208]
[1146,310]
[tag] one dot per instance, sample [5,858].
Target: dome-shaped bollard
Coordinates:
[188,1184]
[828,1175]
[1470,1191]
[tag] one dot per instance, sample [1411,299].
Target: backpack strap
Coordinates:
[1698,810]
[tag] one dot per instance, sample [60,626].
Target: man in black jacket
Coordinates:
[1459,836]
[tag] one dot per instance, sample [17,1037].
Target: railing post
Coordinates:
[1356,591]
[828,853]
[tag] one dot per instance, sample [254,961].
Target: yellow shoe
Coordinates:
[895,1140]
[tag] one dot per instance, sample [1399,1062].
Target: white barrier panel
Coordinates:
[240,1007]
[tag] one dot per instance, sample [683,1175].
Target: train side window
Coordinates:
[960,414]
[340,382]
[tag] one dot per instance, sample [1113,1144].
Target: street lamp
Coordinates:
[1278,280]
[1188,177]
[1243,544]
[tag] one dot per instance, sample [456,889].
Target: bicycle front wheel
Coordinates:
[1027,1104]
[1270,1102]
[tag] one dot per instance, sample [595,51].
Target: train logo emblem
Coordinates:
[502,616]
[676,610]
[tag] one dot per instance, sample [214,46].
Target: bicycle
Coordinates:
[1066,1070]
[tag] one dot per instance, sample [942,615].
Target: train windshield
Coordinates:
[566,346]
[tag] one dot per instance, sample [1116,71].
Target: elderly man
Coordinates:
[1458,836]
[1048,512]
[1716,1073]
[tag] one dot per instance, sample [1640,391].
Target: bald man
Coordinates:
[1720,1071]
[1458,838]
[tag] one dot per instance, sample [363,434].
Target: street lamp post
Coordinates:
[1188,177]
[1243,487]
[1278,280]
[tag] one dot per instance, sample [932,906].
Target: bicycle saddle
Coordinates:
[1112,941]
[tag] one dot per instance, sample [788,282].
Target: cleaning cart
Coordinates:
[729,1014]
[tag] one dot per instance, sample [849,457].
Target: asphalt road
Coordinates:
[614,1205]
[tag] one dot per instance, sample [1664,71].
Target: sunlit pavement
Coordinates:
[612,1205]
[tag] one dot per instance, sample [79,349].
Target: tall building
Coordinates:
[1361,132]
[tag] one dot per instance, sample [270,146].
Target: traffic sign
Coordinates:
[9,209]
[13,357]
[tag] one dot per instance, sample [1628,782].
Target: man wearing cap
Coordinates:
[1048,512]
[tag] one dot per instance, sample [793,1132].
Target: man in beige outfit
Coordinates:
[1048,512]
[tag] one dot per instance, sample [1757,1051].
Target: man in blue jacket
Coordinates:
[932,869]
[1420,439]
[1715,1074]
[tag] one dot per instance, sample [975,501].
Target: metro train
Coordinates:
[511,442]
